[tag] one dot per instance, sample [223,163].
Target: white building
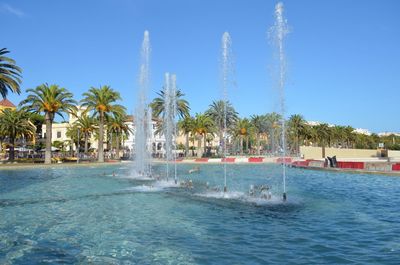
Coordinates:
[157,141]
[59,133]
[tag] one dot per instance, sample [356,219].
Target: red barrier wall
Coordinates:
[255,159]
[354,165]
[286,160]
[301,163]
[396,167]
[201,159]
[228,160]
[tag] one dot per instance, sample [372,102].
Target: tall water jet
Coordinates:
[169,123]
[142,120]
[227,79]
[278,32]
[174,115]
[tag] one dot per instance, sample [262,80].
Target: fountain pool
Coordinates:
[99,215]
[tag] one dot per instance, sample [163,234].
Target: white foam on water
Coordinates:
[166,184]
[262,201]
[222,195]
[145,188]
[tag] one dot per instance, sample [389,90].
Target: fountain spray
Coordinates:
[226,69]
[142,112]
[280,30]
[169,121]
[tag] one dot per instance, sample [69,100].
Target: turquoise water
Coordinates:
[85,215]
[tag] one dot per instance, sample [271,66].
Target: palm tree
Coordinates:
[349,136]
[273,124]
[203,125]
[74,133]
[87,126]
[14,124]
[242,130]
[101,101]
[296,126]
[186,126]
[158,105]
[216,112]
[323,135]
[117,126]
[50,100]
[10,74]
[259,124]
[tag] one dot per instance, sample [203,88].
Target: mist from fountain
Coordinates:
[142,121]
[277,33]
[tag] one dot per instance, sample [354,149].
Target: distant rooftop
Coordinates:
[6,103]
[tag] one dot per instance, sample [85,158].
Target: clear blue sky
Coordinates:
[343,56]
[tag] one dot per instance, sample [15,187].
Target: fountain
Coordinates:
[169,123]
[227,73]
[278,33]
[143,115]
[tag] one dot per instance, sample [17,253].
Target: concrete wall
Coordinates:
[311,152]
[395,154]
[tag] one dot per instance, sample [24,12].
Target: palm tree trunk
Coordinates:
[199,153]
[47,155]
[187,145]
[12,150]
[204,140]
[221,147]
[117,146]
[258,144]
[241,145]
[100,158]
[86,142]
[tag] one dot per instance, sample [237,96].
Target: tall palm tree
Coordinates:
[87,125]
[216,112]
[186,126]
[242,130]
[296,127]
[116,125]
[50,100]
[203,125]
[323,135]
[14,124]
[273,123]
[260,127]
[102,102]
[10,74]
[158,105]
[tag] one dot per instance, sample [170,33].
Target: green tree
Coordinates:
[87,126]
[260,127]
[203,125]
[242,130]
[323,135]
[216,112]
[102,102]
[296,128]
[273,124]
[15,124]
[50,100]
[158,105]
[186,126]
[117,126]
[10,74]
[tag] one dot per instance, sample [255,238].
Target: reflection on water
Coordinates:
[100,215]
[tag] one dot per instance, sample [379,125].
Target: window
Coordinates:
[58,134]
